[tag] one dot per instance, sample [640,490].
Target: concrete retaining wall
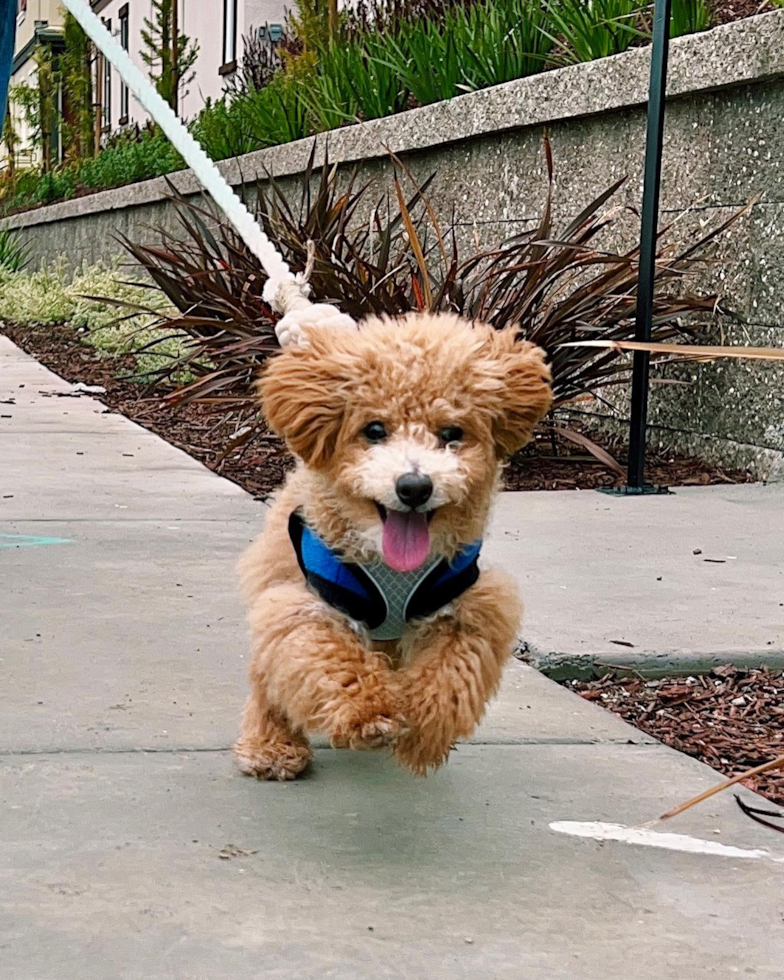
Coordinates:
[724,146]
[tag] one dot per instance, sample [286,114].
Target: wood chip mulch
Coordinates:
[732,719]
[204,431]
[726,11]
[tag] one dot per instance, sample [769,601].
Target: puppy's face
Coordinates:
[406,421]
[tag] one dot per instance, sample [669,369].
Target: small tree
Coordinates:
[312,23]
[77,79]
[38,105]
[48,82]
[25,98]
[11,144]
[168,54]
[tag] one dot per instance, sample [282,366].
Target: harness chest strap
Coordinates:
[374,594]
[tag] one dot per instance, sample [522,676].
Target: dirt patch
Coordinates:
[726,11]
[732,719]
[204,431]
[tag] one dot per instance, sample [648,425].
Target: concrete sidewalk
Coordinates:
[130,848]
[680,582]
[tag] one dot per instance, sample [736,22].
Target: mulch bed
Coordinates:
[205,431]
[732,719]
[726,11]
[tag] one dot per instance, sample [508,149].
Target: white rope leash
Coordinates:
[285,292]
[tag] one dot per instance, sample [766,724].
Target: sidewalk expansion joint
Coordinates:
[179,750]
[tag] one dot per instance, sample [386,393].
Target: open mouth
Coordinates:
[405,542]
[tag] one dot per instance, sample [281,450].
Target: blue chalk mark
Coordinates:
[28,541]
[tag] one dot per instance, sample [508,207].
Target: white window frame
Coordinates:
[124,16]
[106,82]
[230,10]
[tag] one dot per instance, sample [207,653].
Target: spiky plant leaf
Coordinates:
[558,285]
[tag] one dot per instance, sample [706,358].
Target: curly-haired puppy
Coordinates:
[371,621]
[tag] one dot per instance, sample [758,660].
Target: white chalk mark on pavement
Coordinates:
[644,837]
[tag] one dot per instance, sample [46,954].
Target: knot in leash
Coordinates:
[289,296]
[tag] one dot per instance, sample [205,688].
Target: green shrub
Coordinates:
[504,41]
[131,156]
[470,47]
[426,58]
[14,254]
[689,17]
[272,115]
[354,81]
[582,31]
[31,188]
[23,185]
[251,118]
[113,323]
[221,131]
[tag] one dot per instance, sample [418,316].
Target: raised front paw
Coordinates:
[439,715]
[420,751]
[376,732]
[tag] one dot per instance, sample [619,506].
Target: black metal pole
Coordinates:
[648,230]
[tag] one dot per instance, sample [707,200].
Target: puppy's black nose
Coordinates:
[414,489]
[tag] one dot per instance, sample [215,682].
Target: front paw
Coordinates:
[419,751]
[436,723]
[377,732]
[273,760]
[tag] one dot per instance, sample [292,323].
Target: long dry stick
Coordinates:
[765,767]
[688,352]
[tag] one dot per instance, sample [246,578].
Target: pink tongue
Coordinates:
[406,540]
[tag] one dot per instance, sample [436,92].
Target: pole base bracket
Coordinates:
[646,490]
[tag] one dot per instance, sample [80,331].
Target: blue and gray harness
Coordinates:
[373,594]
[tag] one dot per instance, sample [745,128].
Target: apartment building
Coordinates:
[216,26]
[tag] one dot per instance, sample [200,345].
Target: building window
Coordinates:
[124,39]
[229,36]
[106,117]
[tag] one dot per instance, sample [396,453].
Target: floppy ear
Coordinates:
[526,394]
[300,392]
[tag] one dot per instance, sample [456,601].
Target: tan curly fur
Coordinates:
[312,668]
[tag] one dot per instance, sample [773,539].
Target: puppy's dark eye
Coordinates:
[375,432]
[450,433]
